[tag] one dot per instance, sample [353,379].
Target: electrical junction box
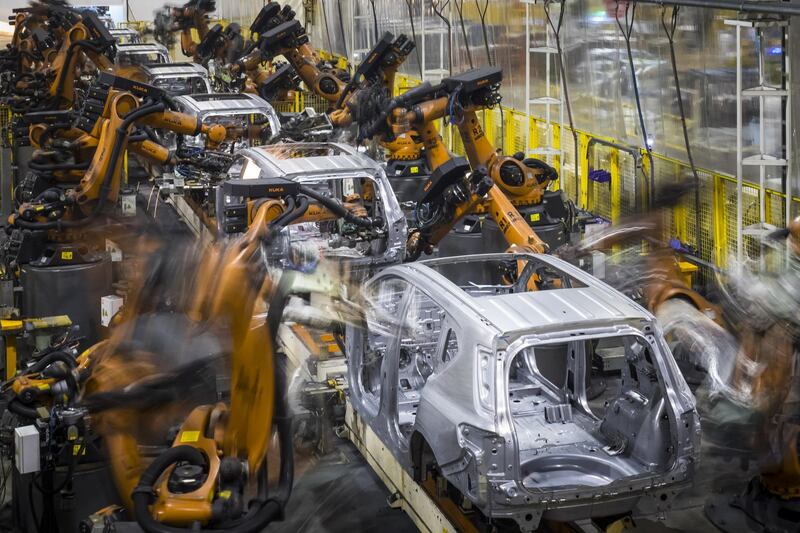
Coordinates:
[26,449]
[599,264]
[109,306]
[128,202]
[114,251]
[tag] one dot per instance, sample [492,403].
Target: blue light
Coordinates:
[775,50]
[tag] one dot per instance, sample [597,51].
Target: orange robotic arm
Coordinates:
[89,37]
[485,195]
[289,39]
[232,287]
[192,15]
[100,183]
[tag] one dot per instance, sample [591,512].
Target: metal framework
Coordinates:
[552,148]
[763,92]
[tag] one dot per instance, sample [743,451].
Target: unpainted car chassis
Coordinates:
[498,390]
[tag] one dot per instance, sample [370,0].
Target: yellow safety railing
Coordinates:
[716,237]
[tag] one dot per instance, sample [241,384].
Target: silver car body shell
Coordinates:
[126,35]
[160,71]
[143,48]
[474,441]
[216,104]
[344,162]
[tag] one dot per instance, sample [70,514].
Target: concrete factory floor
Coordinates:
[339,492]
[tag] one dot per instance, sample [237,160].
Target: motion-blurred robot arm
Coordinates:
[204,479]
[664,281]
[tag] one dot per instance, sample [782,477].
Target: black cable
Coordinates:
[563,75]
[276,225]
[74,459]
[460,8]
[18,408]
[414,36]
[670,31]
[626,34]
[374,18]
[337,208]
[138,137]
[482,14]
[291,216]
[341,28]
[438,7]
[33,507]
[49,359]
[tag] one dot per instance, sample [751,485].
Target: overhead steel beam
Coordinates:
[766,8]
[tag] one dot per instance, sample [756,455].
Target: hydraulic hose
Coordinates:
[299,211]
[290,205]
[288,216]
[276,224]
[337,208]
[49,359]
[18,408]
